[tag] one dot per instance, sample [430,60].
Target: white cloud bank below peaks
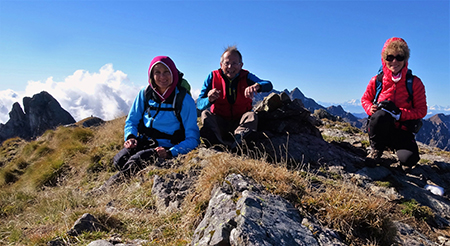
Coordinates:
[106,94]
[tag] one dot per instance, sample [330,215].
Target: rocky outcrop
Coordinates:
[171,189]
[307,102]
[240,213]
[41,112]
[289,133]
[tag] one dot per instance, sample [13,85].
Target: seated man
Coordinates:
[229,92]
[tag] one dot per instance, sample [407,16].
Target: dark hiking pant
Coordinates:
[383,133]
[131,161]
[217,130]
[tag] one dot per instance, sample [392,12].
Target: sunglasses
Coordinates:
[397,57]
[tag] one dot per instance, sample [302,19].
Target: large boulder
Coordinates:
[288,133]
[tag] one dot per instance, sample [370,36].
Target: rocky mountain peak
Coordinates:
[440,118]
[42,112]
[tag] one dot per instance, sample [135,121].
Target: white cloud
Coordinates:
[195,93]
[7,99]
[107,94]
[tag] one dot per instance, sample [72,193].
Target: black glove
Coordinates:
[389,106]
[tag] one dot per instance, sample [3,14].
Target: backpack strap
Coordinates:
[378,85]
[178,104]
[409,86]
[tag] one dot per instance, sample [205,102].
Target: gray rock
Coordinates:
[308,149]
[93,121]
[56,242]
[325,236]
[270,103]
[171,190]
[268,220]
[376,173]
[239,213]
[100,243]
[408,236]
[86,223]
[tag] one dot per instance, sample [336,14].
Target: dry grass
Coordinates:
[359,216]
[43,186]
[276,179]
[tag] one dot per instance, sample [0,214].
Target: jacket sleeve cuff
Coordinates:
[173,151]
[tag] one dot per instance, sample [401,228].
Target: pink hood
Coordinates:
[386,71]
[173,70]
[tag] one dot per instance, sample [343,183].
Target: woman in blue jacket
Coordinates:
[156,127]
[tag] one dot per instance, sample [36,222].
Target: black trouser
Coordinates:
[131,161]
[383,133]
[217,130]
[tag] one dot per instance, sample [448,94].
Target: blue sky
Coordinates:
[328,49]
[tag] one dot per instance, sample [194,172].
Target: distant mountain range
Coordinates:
[44,112]
[354,107]
[436,126]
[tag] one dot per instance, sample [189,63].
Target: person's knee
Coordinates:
[206,116]
[380,117]
[408,157]
[121,158]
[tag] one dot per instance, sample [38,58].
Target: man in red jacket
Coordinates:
[393,115]
[229,92]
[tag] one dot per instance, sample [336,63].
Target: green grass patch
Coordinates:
[386,184]
[425,161]
[414,209]
[332,138]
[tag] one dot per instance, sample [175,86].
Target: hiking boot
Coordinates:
[373,158]
[375,154]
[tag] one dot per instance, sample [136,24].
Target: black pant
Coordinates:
[131,161]
[217,130]
[383,133]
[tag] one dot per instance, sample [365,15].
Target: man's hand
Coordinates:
[252,90]
[213,95]
[130,143]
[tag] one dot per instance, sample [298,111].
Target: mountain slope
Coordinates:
[436,131]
